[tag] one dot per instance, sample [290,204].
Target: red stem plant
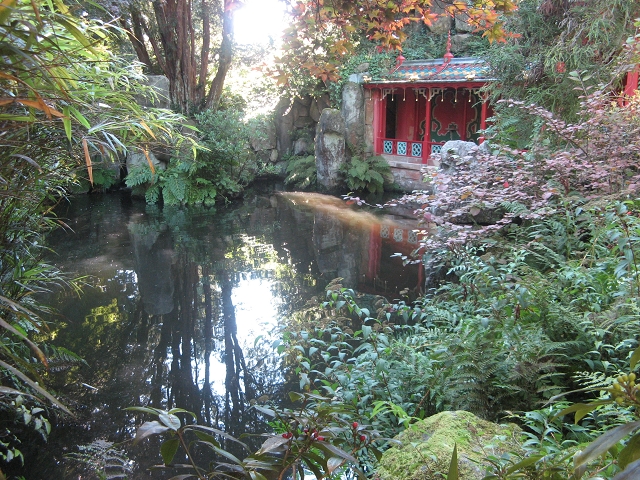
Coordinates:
[597,157]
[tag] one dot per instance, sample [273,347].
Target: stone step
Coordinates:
[407,171]
[405,165]
[403,159]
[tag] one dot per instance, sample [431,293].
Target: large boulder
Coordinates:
[443,23]
[462,22]
[426,447]
[284,125]
[264,141]
[295,118]
[303,146]
[353,113]
[137,159]
[301,113]
[265,138]
[317,105]
[460,42]
[456,152]
[330,148]
[158,97]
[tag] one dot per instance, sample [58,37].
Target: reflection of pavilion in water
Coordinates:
[359,246]
[383,272]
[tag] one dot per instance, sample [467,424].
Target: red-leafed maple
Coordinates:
[324,31]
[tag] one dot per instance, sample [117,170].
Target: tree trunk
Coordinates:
[174,47]
[206,45]
[174,18]
[136,37]
[225,57]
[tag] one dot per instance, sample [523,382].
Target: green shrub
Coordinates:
[301,172]
[547,310]
[370,174]
[223,170]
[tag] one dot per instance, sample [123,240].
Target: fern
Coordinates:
[102,459]
[60,358]
[105,177]
[223,169]
[301,172]
[174,190]
[139,176]
[593,380]
[152,195]
[369,174]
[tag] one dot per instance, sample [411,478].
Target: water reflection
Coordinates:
[358,245]
[182,303]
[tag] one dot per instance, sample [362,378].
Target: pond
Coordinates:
[181,308]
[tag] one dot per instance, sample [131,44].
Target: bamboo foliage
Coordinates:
[66,103]
[58,74]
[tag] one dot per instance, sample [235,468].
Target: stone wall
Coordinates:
[295,124]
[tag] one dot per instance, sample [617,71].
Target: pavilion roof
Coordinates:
[464,69]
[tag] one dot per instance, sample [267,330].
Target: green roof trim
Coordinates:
[464,69]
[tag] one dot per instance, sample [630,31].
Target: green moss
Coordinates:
[426,447]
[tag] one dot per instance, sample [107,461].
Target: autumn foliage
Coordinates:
[324,31]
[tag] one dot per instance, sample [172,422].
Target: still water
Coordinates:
[181,308]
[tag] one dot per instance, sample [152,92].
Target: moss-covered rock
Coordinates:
[426,448]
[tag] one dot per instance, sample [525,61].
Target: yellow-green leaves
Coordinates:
[66,121]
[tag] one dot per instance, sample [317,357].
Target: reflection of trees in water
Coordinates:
[236,367]
[202,327]
[175,326]
[181,365]
[158,325]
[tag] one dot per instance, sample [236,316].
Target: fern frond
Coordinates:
[60,358]
[101,458]
[301,171]
[592,379]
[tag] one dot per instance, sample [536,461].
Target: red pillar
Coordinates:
[463,134]
[631,84]
[426,144]
[483,116]
[375,96]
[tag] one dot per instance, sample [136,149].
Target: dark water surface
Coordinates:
[182,306]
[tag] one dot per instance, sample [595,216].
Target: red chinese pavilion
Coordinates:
[423,104]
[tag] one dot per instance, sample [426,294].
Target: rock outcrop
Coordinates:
[159,97]
[443,23]
[330,148]
[297,119]
[353,113]
[264,142]
[427,446]
[456,152]
[137,159]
